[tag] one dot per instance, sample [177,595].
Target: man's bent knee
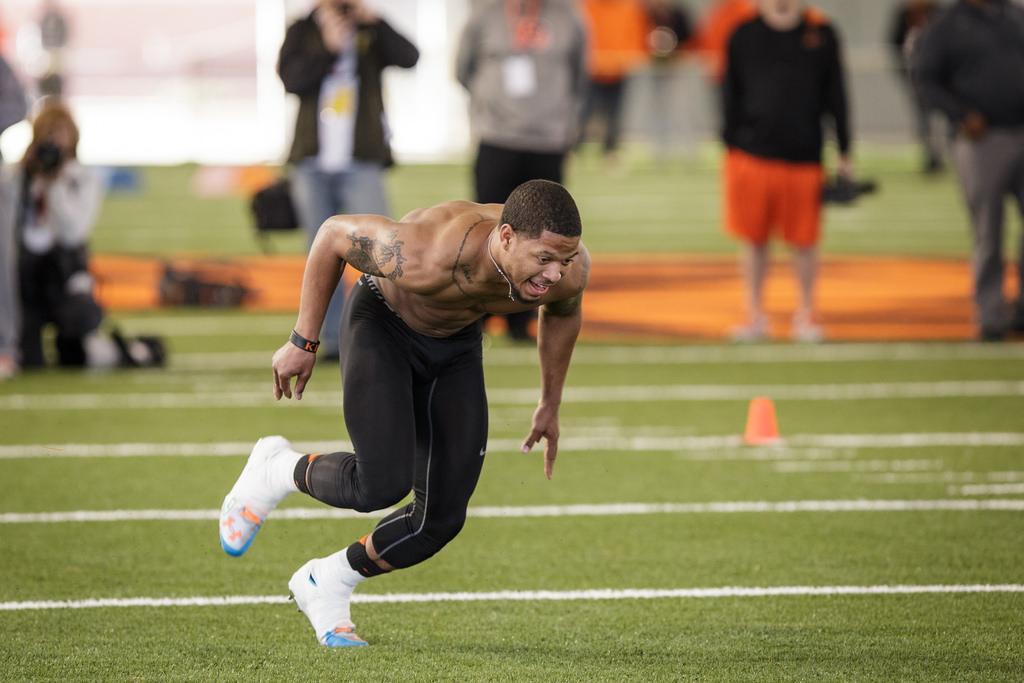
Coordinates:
[335,479]
[445,528]
[435,534]
[378,498]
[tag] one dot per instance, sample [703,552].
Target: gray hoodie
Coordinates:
[524,93]
[9,311]
[13,105]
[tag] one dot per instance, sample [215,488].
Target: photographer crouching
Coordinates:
[56,207]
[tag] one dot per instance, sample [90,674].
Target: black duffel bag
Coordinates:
[272,208]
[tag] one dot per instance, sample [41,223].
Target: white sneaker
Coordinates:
[324,599]
[752,332]
[8,367]
[807,332]
[263,483]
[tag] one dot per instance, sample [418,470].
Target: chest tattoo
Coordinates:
[464,268]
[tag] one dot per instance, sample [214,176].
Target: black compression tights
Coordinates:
[416,412]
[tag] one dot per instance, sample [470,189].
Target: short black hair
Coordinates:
[539,205]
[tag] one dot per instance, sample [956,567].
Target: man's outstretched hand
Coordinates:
[545,425]
[291,361]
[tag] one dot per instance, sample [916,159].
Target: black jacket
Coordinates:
[304,63]
[972,59]
[778,87]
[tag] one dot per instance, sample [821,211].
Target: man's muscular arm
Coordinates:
[559,325]
[370,244]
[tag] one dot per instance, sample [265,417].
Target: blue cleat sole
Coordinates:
[334,640]
[233,552]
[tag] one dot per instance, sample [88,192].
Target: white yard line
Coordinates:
[805,466]
[133,450]
[775,353]
[508,512]
[908,440]
[987,489]
[808,392]
[1005,476]
[947,477]
[209,326]
[663,355]
[651,393]
[531,596]
[718,447]
[920,478]
[223,360]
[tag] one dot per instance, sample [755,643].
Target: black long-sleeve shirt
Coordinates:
[303,64]
[971,58]
[779,86]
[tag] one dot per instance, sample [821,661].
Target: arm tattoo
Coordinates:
[369,256]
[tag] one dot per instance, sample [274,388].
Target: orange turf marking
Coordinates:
[651,296]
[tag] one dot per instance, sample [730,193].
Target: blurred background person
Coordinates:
[53,35]
[783,78]
[13,103]
[56,201]
[670,29]
[617,35]
[333,60]
[12,110]
[969,62]
[714,30]
[909,18]
[522,63]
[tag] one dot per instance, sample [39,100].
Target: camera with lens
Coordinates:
[48,157]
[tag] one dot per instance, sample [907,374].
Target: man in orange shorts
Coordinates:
[783,76]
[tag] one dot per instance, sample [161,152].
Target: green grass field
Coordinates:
[901,468]
[663,208]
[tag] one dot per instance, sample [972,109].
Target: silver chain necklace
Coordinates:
[511,296]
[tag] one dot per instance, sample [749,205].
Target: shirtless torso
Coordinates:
[444,267]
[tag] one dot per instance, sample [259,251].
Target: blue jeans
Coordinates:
[318,195]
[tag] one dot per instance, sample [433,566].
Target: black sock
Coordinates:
[360,560]
[300,474]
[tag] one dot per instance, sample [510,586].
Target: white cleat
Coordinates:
[325,603]
[256,493]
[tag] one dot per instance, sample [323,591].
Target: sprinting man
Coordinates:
[414,399]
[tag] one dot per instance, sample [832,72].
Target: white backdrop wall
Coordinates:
[172,81]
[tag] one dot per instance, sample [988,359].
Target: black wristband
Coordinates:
[303,343]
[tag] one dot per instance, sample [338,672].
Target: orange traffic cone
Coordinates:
[762,427]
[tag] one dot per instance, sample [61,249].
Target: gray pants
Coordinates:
[318,195]
[9,301]
[990,169]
